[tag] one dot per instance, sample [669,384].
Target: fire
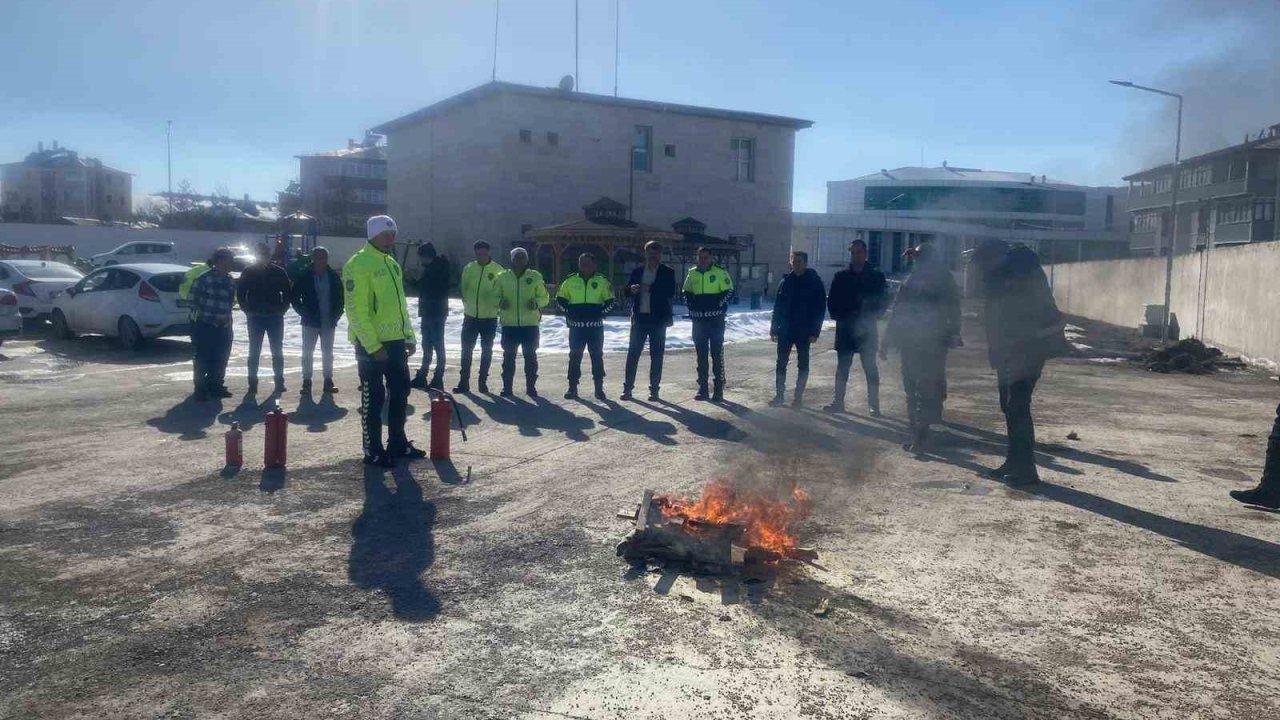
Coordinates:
[768,522]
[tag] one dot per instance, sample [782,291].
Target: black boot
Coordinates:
[779,387]
[572,393]
[702,392]
[873,399]
[717,393]
[1267,493]
[600,391]
[419,381]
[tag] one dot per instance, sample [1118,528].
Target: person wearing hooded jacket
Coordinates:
[924,325]
[798,311]
[1024,329]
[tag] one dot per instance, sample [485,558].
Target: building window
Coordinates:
[1195,177]
[1264,210]
[744,159]
[371,171]
[1163,184]
[553,139]
[1239,168]
[371,196]
[1145,222]
[669,150]
[108,199]
[642,148]
[1238,211]
[1111,213]
[526,136]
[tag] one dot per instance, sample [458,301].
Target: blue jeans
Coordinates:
[212,349]
[273,327]
[433,343]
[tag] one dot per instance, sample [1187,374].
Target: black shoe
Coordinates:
[1021,477]
[222,392]
[626,396]
[777,401]
[1260,496]
[306,387]
[462,389]
[419,382]
[702,394]
[717,395]
[506,393]
[1001,472]
[329,387]
[600,394]
[834,408]
[483,387]
[572,394]
[381,460]
[409,452]
[436,384]
[653,396]
[531,391]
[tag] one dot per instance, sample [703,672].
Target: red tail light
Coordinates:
[8,299]
[24,288]
[146,292]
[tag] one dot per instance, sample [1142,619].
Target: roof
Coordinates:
[499,88]
[948,173]
[1268,139]
[360,152]
[587,229]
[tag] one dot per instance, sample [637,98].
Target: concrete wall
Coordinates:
[1226,297]
[191,245]
[466,174]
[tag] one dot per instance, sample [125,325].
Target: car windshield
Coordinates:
[37,270]
[165,282]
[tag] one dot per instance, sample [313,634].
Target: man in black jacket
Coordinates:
[651,287]
[433,309]
[856,301]
[317,298]
[263,292]
[798,311]
[1024,329]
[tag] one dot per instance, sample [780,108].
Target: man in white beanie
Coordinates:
[380,329]
[521,296]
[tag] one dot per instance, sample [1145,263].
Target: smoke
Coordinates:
[1230,89]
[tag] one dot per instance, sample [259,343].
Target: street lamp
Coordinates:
[1173,202]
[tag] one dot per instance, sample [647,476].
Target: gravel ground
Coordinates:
[139,581]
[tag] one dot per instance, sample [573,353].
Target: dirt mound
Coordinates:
[1189,356]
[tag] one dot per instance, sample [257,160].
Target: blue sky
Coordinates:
[981,83]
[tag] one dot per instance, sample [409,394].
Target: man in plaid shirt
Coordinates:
[212,296]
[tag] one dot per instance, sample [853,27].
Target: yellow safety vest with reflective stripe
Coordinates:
[585,301]
[376,309]
[707,292]
[519,292]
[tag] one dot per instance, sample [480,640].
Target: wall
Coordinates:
[191,245]
[1226,296]
[466,175]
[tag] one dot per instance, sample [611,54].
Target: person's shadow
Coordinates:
[249,412]
[188,419]
[619,417]
[391,544]
[696,422]
[317,416]
[532,417]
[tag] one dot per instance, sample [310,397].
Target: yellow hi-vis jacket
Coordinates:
[707,292]
[375,306]
[524,296]
[585,302]
[184,290]
[480,289]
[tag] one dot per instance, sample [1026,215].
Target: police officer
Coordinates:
[380,329]
[521,296]
[707,290]
[586,299]
[184,295]
[479,315]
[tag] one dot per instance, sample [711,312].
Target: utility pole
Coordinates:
[168,144]
[576,82]
[617,20]
[497,9]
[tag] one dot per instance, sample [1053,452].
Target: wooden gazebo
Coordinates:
[605,226]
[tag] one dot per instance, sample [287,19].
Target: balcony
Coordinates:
[1229,188]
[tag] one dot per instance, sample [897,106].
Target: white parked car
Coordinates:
[136,252]
[35,282]
[131,302]
[10,320]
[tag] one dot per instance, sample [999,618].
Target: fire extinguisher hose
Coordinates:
[462,426]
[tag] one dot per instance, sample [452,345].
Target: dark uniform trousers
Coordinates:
[924,379]
[484,329]
[801,344]
[656,335]
[525,340]
[384,382]
[708,339]
[1015,402]
[212,351]
[590,339]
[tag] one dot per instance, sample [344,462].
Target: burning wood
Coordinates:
[723,528]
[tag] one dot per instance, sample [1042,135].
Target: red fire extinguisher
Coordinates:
[235,445]
[441,421]
[277,423]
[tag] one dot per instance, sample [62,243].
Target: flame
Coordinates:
[768,522]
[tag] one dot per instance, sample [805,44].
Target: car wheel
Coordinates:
[61,329]
[130,336]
